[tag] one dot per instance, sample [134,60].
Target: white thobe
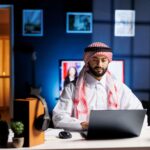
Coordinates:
[96,96]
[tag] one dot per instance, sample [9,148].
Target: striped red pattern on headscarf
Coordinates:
[98,44]
[89,54]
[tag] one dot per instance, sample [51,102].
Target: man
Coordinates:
[96,88]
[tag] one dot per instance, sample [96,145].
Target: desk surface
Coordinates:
[77,142]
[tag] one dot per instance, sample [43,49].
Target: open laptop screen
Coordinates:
[115,123]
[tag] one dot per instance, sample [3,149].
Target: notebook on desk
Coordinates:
[114,124]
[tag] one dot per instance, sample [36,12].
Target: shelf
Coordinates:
[4,76]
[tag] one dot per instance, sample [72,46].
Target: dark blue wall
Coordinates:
[54,45]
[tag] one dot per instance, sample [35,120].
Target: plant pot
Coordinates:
[18,142]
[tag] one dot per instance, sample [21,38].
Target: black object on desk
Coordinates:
[65,135]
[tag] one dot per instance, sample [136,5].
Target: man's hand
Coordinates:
[84,125]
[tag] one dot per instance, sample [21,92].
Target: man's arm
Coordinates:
[63,111]
[127,98]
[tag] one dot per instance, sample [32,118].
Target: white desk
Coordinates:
[77,142]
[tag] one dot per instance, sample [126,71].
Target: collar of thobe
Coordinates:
[92,82]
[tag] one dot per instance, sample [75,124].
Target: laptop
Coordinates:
[110,124]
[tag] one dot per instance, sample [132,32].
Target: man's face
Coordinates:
[98,66]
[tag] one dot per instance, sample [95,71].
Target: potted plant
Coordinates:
[17,128]
[4,132]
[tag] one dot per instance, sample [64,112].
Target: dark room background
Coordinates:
[56,44]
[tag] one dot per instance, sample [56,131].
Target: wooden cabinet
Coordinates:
[26,110]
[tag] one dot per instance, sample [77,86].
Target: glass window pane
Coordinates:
[141,73]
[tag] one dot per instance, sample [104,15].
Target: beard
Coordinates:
[97,71]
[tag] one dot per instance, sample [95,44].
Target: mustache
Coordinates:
[98,68]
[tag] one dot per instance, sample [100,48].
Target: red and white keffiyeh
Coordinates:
[81,108]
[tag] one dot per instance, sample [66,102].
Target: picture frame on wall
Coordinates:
[32,22]
[79,22]
[124,23]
